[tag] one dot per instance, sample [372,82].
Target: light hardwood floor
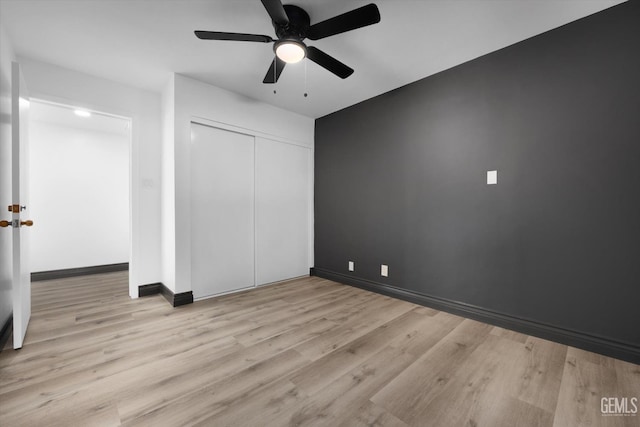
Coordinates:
[304,352]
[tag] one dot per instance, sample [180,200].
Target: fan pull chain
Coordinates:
[275,66]
[305,78]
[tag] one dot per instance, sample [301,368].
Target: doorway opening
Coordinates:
[80,191]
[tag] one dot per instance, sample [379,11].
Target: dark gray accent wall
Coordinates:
[400,179]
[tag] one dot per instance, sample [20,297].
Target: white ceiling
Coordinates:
[140,42]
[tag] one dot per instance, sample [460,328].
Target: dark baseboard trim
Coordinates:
[596,344]
[175,300]
[81,271]
[151,289]
[182,298]
[7,330]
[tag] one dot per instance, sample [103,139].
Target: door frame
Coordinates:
[133,170]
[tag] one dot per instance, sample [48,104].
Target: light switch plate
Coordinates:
[384,270]
[351,266]
[492,177]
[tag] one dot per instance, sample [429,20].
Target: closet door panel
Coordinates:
[282,210]
[222,211]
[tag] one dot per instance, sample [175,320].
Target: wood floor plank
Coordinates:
[342,397]
[479,390]
[106,381]
[542,369]
[205,402]
[259,409]
[425,379]
[512,335]
[353,324]
[628,379]
[296,315]
[584,384]
[117,348]
[370,415]
[303,352]
[427,333]
[329,368]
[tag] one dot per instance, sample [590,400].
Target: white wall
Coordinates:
[195,100]
[53,83]
[79,181]
[6,56]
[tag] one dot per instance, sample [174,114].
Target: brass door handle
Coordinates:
[4,223]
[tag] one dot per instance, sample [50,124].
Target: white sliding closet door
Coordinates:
[282,210]
[222,211]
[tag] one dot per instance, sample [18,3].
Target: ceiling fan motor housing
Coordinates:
[299,23]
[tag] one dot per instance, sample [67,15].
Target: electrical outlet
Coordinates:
[384,270]
[351,266]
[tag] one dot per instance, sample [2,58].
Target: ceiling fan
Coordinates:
[292,25]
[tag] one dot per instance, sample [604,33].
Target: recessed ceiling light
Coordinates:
[290,51]
[82,113]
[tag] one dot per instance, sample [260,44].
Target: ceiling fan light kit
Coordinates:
[292,25]
[290,51]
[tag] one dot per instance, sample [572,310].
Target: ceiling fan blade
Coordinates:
[218,35]
[357,18]
[274,71]
[329,62]
[276,11]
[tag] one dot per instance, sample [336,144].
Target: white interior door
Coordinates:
[20,215]
[283,203]
[222,211]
